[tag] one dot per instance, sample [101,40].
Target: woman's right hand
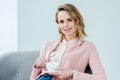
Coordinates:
[40,62]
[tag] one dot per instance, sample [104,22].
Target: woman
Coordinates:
[71,51]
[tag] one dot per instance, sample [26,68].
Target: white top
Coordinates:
[64,45]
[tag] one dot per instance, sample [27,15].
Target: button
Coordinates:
[17,76]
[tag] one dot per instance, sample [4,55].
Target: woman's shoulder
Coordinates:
[49,43]
[89,43]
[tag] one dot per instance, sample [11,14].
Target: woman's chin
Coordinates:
[67,34]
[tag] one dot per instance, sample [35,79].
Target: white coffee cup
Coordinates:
[51,66]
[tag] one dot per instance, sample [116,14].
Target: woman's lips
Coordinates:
[67,29]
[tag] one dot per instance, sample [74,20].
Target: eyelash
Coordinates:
[69,20]
[61,21]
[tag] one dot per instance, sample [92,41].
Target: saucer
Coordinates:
[50,71]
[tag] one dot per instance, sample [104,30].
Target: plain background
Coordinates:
[32,23]
[8,26]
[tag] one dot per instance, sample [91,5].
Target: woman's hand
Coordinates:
[40,62]
[62,74]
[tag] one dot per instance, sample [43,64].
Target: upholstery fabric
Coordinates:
[18,65]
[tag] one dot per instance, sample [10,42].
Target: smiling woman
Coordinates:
[70,47]
[71,14]
[67,25]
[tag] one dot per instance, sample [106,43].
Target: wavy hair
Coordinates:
[75,14]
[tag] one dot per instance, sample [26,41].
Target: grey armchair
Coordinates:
[18,65]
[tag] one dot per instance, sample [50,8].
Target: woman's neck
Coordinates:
[68,38]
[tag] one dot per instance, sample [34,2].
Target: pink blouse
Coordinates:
[76,57]
[56,55]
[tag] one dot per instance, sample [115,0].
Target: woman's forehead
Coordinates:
[63,15]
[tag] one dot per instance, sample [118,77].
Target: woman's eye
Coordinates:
[61,21]
[70,20]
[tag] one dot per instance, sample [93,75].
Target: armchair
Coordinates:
[18,65]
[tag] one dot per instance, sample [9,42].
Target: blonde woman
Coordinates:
[71,52]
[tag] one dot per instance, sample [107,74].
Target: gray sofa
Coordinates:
[18,65]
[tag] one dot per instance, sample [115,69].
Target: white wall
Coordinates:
[36,25]
[8,26]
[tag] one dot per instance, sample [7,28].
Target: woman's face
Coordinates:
[66,24]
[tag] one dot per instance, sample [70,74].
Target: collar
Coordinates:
[70,42]
[78,41]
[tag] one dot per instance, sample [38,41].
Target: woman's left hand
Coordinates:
[62,74]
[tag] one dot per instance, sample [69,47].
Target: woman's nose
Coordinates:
[65,24]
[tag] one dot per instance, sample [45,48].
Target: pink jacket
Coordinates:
[77,57]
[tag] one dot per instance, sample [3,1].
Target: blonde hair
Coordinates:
[75,14]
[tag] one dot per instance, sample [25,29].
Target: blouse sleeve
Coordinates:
[96,67]
[37,71]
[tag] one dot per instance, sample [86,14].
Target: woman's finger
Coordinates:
[43,60]
[40,62]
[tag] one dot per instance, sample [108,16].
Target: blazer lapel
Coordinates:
[79,43]
[53,48]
